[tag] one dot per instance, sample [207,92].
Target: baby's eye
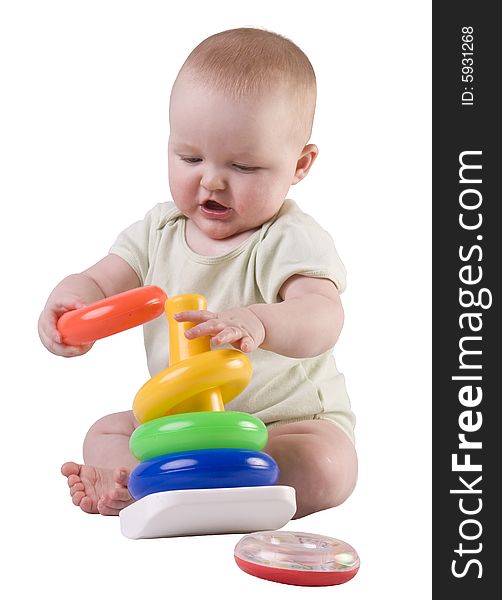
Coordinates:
[190,159]
[245,168]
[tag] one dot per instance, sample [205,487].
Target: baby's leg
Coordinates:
[316,458]
[107,441]
[100,485]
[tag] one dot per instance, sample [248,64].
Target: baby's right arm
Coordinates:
[111,275]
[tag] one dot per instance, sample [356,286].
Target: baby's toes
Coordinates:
[70,468]
[121,476]
[109,507]
[86,504]
[77,497]
[73,479]
[77,487]
[120,494]
[113,502]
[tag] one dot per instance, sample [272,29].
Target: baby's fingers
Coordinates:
[247,344]
[228,335]
[194,316]
[51,338]
[65,304]
[68,351]
[47,323]
[211,328]
[47,329]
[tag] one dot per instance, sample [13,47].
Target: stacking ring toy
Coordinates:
[202,469]
[198,431]
[111,315]
[198,378]
[296,558]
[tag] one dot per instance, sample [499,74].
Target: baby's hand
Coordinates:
[49,335]
[239,327]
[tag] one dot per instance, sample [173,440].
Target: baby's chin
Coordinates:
[220,231]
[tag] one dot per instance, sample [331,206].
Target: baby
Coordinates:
[241,115]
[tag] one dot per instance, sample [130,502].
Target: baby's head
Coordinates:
[241,115]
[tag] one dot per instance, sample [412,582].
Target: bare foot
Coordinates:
[96,489]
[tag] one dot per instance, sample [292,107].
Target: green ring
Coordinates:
[198,431]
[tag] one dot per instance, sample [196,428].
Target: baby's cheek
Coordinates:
[250,198]
[182,186]
[262,203]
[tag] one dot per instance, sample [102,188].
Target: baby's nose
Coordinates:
[212,181]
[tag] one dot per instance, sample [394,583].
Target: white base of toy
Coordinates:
[209,511]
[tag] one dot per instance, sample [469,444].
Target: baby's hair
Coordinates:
[247,61]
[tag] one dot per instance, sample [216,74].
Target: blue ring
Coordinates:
[202,469]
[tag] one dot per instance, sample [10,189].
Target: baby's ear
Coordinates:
[305,162]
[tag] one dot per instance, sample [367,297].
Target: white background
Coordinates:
[84,130]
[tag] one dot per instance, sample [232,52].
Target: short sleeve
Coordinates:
[296,245]
[137,242]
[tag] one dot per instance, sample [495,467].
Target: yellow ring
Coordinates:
[170,391]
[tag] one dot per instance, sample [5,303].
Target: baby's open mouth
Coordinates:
[214,206]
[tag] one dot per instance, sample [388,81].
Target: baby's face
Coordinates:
[230,163]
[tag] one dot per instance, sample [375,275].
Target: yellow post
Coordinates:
[181,348]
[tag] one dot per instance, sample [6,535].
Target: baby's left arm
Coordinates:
[306,323]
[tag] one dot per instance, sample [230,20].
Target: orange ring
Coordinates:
[111,315]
